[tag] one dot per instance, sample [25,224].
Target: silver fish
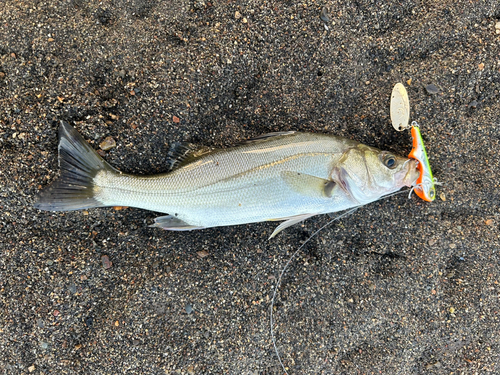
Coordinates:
[287,176]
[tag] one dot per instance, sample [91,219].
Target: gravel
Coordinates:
[370,294]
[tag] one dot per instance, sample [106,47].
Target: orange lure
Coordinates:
[424,187]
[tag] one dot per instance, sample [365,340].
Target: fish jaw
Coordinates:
[412,174]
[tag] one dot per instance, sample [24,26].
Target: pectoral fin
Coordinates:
[309,185]
[291,221]
[170,222]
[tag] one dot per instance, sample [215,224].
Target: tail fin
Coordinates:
[79,163]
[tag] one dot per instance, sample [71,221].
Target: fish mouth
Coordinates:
[413,173]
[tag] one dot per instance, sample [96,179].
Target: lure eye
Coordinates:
[432,193]
[389,161]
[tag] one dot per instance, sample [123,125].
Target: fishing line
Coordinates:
[278,283]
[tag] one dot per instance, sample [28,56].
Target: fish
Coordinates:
[286,176]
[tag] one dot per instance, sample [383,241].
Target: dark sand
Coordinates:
[400,287]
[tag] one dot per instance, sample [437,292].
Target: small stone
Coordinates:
[432,89]
[39,323]
[44,345]
[2,74]
[497,27]
[473,104]
[176,119]
[432,242]
[244,20]
[101,153]
[107,144]
[324,15]
[31,368]
[452,246]
[117,323]
[72,288]
[189,308]
[489,222]
[106,263]
[202,253]
[78,346]
[119,208]
[237,15]
[480,66]
[50,39]
[50,262]
[443,197]
[89,321]
[85,213]
[56,313]
[408,82]
[190,369]
[452,310]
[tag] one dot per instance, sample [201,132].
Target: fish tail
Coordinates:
[79,163]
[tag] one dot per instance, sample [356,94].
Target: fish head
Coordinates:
[367,173]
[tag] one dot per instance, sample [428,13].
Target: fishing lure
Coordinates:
[400,108]
[424,187]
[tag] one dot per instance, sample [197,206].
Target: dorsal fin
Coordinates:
[266,136]
[183,153]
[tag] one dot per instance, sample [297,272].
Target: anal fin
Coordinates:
[170,222]
[292,220]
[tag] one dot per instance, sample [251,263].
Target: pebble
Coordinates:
[106,263]
[452,310]
[89,321]
[50,262]
[432,242]
[189,308]
[443,197]
[489,222]
[202,253]
[44,345]
[237,15]
[480,66]
[176,119]
[72,288]
[39,323]
[497,27]
[324,15]
[31,368]
[107,144]
[473,104]
[2,74]
[432,89]
[452,246]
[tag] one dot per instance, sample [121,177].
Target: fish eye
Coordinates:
[390,161]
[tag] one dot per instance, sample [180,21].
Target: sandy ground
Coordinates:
[400,287]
